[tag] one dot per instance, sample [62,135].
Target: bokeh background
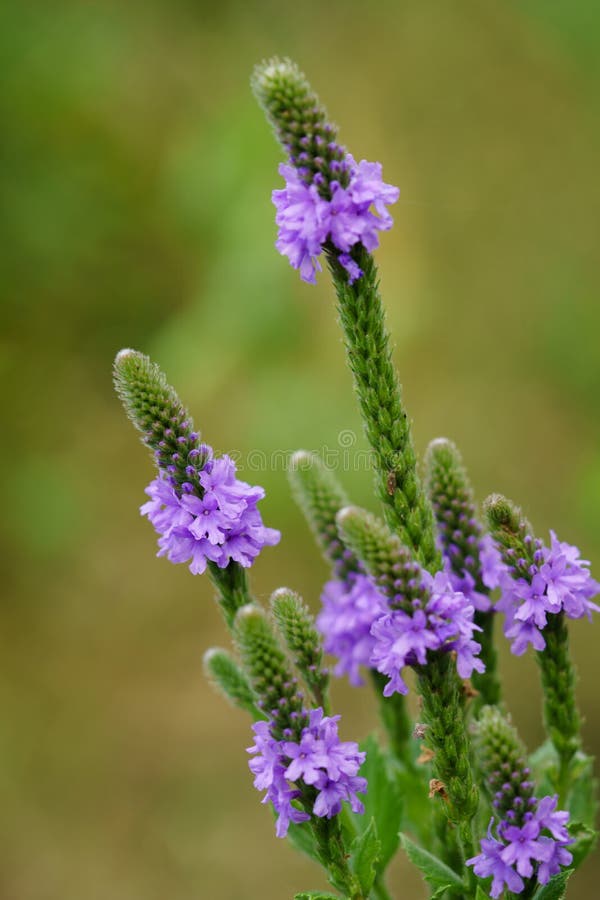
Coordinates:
[136,173]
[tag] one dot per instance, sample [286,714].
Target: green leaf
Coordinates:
[480,893]
[543,763]
[301,838]
[441,891]
[585,839]
[366,853]
[315,895]
[435,872]
[556,887]
[582,800]
[383,801]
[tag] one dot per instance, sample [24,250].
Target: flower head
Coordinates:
[556,581]
[317,769]
[443,621]
[216,521]
[350,607]
[351,215]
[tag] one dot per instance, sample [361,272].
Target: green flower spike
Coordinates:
[453,503]
[297,626]
[223,671]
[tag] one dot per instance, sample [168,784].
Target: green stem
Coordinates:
[487,683]
[443,712]
[380,892]
[232,586]
[395,719]
[561,716]
[332,851]
[407,508]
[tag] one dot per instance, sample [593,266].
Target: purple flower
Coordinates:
[522,850]
[318,759]
[307,220]
[333,793]
[555,821]
[490,862]
[465,584]
[401,640]
[445,622]
[493,569]
[303,220]
[350,606]
[307,758]
[522,847]
[219,524]
[558,581]
[557,856]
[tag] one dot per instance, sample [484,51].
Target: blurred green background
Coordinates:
[136,176]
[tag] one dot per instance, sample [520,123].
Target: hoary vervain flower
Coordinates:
[350,606]
[308,222]
[527,838]
[202,512]
[542,582]
[217,521]
[315,766]
[329,200]
[424,613]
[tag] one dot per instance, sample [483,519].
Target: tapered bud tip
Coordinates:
[302,459]
[271,71]
[210,655]
[125,354]
[440,443]
[499,510]
[442,450]
[349,514]
[281,593]
[248,613]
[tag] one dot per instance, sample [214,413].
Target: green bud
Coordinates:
[453,503]
[154,408]
[383,555]
[454,507]
[406,505]
[297,626]
[561,717]
[502,758]
[270,673]
[299,121]
[223,671]
[512,532]
[320,496]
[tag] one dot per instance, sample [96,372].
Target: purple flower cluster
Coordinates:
[350,606]
[218,523]
[318,767]
[442,621]
[526,845]
[492,572]
[307,220]
[557,580]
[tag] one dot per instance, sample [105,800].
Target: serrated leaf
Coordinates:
[585,839]
[382,801]
[366,854]
[301,838]
[315,895]
[434,871]
[439,892]
[556,887]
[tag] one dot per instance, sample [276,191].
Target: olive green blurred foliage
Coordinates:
[135,176]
